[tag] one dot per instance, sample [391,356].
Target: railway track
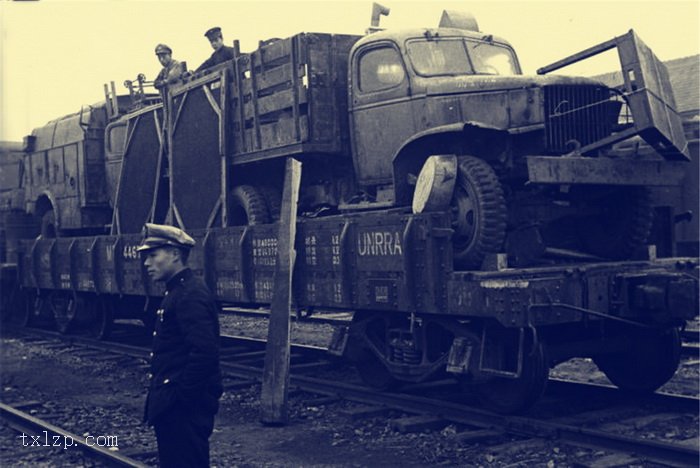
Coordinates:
[242,359]
[47,434]
[324,317]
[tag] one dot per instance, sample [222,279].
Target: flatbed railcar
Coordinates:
[415,317]
[478,222]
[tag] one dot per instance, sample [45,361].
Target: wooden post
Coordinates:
[275,383]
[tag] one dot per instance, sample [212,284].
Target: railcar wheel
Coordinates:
[102,318]
[506,396]
[370,331]
[478,213]
[12,301]
[247,207]
[650,359]
[64,308]
[23,315]
[622,226]
[373,373]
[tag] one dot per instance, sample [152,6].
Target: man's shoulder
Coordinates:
[196,286]
[228,51]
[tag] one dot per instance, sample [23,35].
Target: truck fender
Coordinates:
[455,138]
[47,194]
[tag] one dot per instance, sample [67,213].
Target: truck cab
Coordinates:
[395,78]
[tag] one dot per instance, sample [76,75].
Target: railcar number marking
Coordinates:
[265,251]
[310,249]
[130,252]
[335,242]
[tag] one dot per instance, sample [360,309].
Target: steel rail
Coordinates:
[21,421]
[683,402]
[265,313]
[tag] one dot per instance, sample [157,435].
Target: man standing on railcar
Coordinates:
[185,386]
[172,69]
[221,52]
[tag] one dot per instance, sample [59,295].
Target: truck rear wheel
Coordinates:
[478,213]
[247,207]
[650,359]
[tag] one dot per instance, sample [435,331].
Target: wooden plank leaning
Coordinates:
[275,383]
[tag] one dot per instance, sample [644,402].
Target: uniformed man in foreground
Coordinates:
[221,52]
[185,386]
[172,69]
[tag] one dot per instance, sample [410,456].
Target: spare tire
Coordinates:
[478,213]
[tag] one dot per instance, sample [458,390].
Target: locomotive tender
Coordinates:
[477,221]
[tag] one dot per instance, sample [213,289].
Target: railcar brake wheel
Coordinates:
[102,318]
[478,213]
[506,396]
[247,207]
[621,227]
[650,359]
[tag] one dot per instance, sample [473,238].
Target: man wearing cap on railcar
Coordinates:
[172,69]
[185,387]
[221,52]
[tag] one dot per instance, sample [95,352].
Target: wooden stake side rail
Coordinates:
[379,261]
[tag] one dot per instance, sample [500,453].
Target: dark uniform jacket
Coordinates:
[185,362]
[219,56]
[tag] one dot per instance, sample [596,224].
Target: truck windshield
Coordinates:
[460,57]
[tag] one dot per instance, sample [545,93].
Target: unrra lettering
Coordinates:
[379,244]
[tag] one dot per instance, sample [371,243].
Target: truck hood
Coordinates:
[479,83]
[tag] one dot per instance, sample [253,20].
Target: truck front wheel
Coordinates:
[478,213]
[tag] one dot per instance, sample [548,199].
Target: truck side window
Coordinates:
[380,69]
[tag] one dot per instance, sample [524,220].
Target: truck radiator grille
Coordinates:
[577,113]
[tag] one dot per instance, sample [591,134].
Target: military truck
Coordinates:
[537,174]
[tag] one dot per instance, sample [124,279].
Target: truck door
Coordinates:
[380,108]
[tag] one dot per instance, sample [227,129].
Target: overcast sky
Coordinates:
[57,54]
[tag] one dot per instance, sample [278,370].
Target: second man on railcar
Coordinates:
[221,53]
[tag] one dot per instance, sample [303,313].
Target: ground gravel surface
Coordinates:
[100,397]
